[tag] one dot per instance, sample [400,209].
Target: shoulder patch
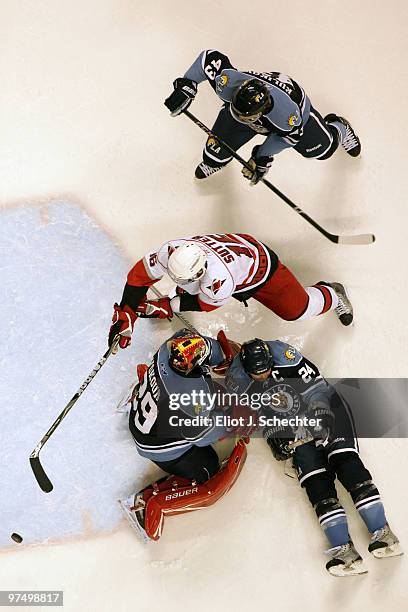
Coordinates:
[290,354]
[294,119]
[221,82]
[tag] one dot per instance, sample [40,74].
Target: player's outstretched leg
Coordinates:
[317,479]
[356,479]
[286,297]
[347,136]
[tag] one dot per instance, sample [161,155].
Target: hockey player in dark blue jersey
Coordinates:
[322,448]
[267,103]
[173,421]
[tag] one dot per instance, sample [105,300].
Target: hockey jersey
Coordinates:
[237,264]
[165,401]
[283,125]
[292,375]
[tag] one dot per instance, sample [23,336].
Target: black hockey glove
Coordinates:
[184,93]
[279,439]
[321,412]
[259,166]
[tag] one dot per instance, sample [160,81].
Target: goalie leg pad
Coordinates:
[187,497]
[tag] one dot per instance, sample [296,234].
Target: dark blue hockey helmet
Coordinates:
[256,356]
[250,101]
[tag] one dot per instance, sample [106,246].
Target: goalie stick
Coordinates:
[357,239]
[39,473]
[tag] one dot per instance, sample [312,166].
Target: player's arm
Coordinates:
[207,66]
[316,394]
[144,273]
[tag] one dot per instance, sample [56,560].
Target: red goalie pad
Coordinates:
[174,496]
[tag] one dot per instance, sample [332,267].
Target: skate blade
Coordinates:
[394,550]
[341,571]
[135,523]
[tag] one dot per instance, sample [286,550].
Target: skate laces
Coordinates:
[337,550]
[380,534]
[342,307]
[208,170]
[350,140]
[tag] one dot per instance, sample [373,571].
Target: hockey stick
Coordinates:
[357,239]
[42,478]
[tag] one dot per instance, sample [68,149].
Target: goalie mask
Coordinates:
[187,352]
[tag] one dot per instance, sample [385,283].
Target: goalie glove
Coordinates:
[185,91]
[123,321]
[230,349]
[155,309]
[259,166]
[279,439]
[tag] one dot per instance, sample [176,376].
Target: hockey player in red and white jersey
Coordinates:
[209,270]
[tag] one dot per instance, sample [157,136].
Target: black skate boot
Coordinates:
[344,309]
[384,543]
[204,170]
[351,143]
[345,561]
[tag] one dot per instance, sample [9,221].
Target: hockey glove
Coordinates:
[259,166]
[322,412]
[123,321]
[279,439]
[184,93]
[155,309]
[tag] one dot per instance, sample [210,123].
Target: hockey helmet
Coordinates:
[187,352]
[250,101]
[256,357]
[187,263]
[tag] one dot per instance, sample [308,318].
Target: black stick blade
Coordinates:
[41,477]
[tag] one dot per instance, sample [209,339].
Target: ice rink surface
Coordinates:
[93,173]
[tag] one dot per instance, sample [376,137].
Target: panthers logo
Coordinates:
[221,82]
[284,400]
[293,120]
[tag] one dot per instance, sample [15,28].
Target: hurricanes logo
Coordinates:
[216,286]
[293,120]
[290,354]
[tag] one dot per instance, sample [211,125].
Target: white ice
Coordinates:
[93,173]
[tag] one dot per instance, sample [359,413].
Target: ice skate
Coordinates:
[345,561]
[384,543]
[344,309]
[134,509]
[204,170]
[351,142]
